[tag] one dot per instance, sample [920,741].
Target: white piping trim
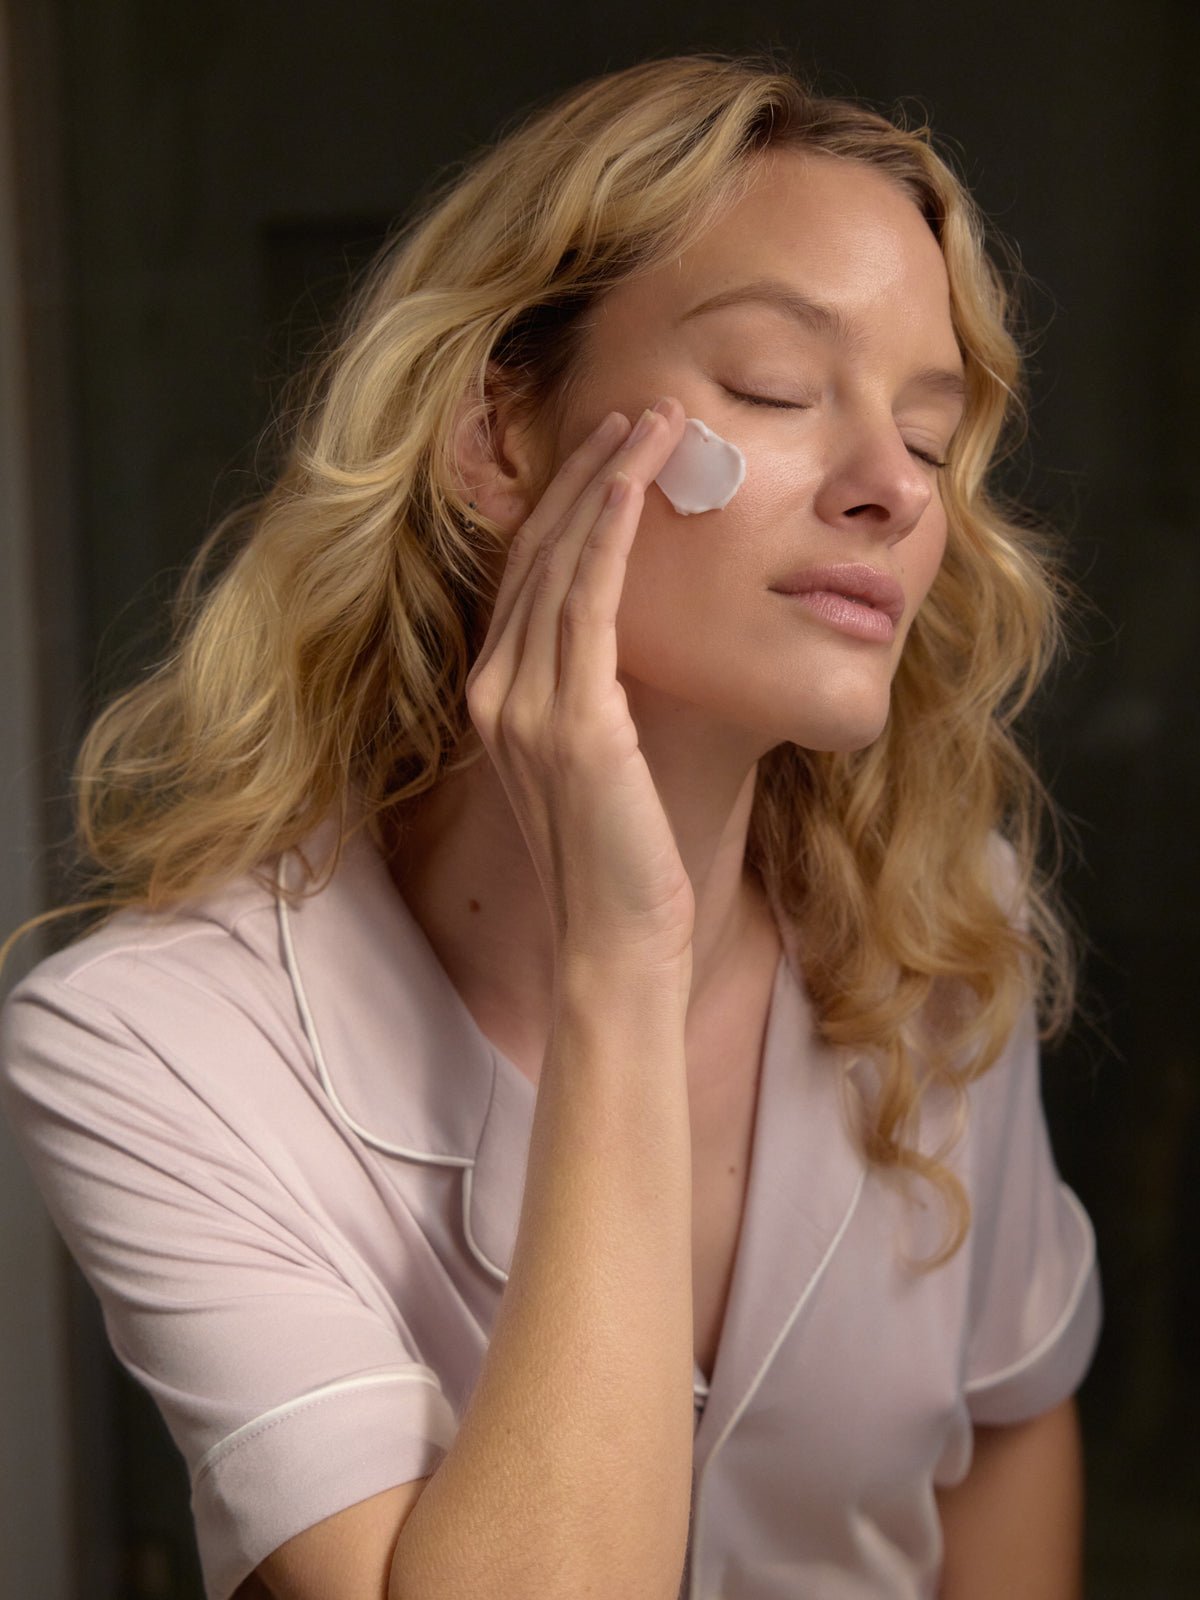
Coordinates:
[484,1261]
[466,1163]
[1032,1357]
[310,1030]
[416,1373]
[749,1394]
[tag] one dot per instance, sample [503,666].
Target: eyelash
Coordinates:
[790,405]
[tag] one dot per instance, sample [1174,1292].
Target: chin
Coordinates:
[840,736]
[840,747]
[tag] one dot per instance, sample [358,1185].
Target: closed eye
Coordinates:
[765,400]
[795,405]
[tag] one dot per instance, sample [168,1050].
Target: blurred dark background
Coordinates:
[188,188]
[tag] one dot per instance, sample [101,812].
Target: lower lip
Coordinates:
[854,617]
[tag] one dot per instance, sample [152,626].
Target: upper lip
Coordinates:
[853,579]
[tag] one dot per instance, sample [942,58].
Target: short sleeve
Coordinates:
[1035,1309]
[291,1388]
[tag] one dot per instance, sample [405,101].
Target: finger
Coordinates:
[577,471]
[642,450]
[588,653]
[573,476]
[639,458]
[536,621]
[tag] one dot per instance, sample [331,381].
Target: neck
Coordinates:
[467,877]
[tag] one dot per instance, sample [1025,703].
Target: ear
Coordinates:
[497,454]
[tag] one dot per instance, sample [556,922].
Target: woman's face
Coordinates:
[839,419]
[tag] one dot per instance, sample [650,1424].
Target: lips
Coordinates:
[854,580]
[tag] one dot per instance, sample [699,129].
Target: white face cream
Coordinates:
[703,472]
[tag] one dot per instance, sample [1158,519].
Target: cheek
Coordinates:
[676,593]
[779,477]
[695,589]
[782,473]
[920,555]
[919,561]
[717,563]
[671,560]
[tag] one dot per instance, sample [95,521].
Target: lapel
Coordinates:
[396,1049]
[406,1066]
[804,1183]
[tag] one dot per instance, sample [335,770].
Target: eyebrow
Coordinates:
[823,319]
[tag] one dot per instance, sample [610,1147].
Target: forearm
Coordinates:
[571,1472]
[1013,1529]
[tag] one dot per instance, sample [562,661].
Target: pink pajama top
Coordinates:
[290,1164]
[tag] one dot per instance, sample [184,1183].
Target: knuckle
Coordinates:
[579,613]
[547,567]
[571,750]
[535,541]
[481,701]
[515,722]
[525,539]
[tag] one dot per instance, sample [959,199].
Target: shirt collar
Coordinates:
[410,1071]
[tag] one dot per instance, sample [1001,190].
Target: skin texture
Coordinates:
[842,480]
[1013,1529]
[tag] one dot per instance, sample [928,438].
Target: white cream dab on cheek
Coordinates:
[703,472]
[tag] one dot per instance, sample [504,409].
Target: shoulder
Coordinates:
[268,1000]
[225,942]
[1009,881]
[155,1008]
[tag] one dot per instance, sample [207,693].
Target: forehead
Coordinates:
[836,230]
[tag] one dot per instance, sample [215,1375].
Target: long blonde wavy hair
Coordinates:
[318,667]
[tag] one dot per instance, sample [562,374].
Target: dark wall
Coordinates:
[227,163]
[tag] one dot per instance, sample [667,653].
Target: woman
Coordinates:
[557,1110]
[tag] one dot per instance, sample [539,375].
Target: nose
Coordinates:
[873,479]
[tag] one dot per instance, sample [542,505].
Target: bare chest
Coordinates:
[724,1047]
[722,1142]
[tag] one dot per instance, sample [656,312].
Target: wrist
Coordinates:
[623,989]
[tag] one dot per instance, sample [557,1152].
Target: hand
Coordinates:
[545,699]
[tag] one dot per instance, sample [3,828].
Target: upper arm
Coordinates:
[1034,1310]
[1014,1525]
[285,1369]
[345,1557]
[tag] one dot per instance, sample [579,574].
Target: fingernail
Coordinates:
[644,424]
[662,406]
